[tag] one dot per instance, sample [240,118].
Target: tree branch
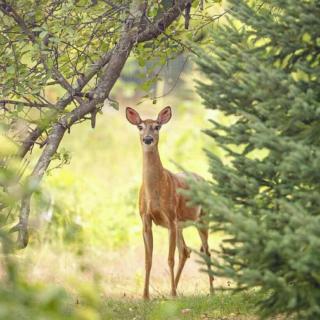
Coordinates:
[53,142]
[165,20]
[10,11]
[152,31]
[63,102]
[26,104]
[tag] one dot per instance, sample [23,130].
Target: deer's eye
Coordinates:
[157,128]
[140,128]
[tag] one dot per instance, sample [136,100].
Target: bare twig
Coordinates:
[187,15]
[24,103]
[176,81]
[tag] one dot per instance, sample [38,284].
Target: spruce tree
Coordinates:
[262,74]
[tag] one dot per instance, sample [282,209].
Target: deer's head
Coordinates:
[149,129]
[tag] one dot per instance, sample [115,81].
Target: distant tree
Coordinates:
[263,72]
[79,48]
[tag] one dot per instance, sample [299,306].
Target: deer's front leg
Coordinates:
[172,248]
[148,245]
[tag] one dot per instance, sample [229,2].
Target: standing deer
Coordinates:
[161,203]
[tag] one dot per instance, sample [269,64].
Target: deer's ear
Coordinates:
[164,115]
[133,116]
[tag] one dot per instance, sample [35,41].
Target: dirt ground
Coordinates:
[118,273]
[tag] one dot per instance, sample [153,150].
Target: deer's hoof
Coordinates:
[173,293]
[146,297]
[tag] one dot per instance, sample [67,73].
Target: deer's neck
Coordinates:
[152,172]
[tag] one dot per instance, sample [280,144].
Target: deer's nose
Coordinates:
[147,139]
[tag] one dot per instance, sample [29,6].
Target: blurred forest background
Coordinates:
[87,210]
[71,164]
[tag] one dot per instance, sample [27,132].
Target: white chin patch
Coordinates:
[148,146]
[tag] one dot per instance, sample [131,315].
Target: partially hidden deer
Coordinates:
[161,202]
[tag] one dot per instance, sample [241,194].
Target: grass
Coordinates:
[223,305]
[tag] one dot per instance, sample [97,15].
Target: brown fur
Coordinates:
[161,202]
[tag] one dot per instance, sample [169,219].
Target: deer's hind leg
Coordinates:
[172,248]
[184,253]
[203,232]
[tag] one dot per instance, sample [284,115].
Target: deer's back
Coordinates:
[165,203]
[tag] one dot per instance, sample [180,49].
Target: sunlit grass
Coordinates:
[219,306]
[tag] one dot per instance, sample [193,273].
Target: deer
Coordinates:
[161,202]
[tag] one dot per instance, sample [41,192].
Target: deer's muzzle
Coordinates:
[147,139]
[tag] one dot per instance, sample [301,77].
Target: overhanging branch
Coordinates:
[146,33]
